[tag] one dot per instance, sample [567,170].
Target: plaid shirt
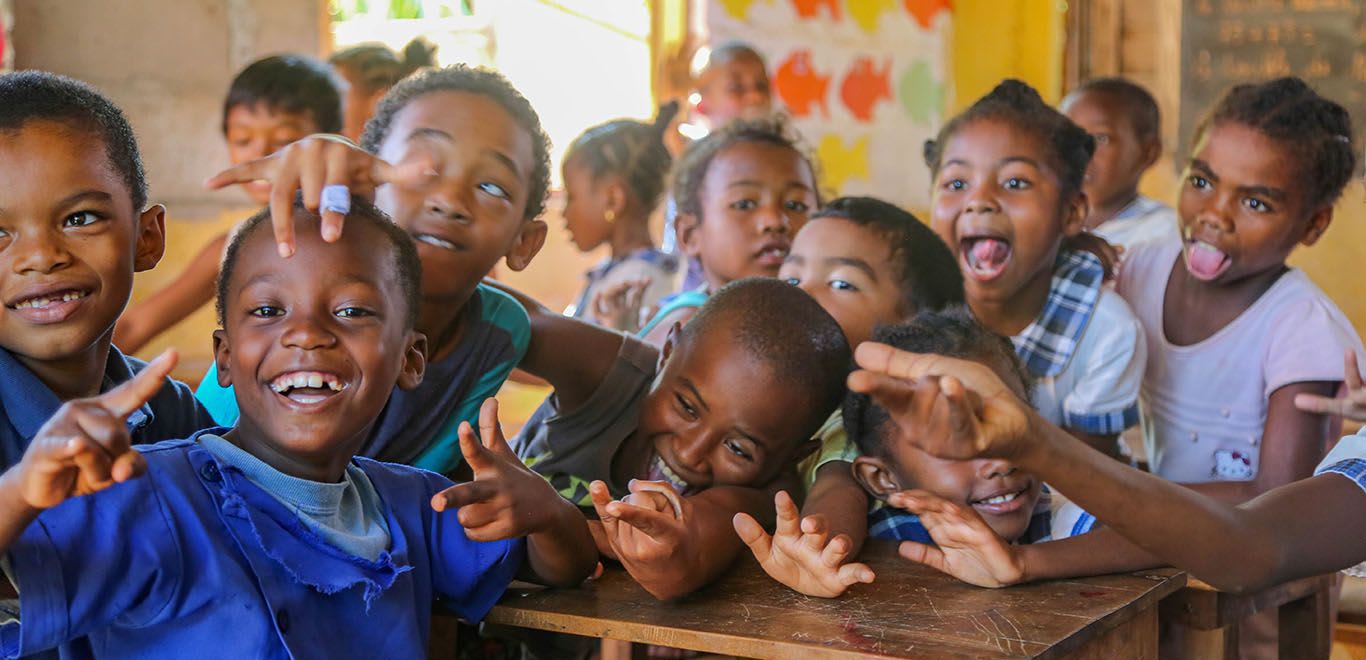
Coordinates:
[892,524]
[1352,468]
[1047,345]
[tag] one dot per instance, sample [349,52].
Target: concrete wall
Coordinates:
[168,64]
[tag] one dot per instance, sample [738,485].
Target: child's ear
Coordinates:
[688,226]
[876,477]
[529,241]
[1318,223]
[221,351]
[615,190]
[151,241]
[670,343]
[1152,152]
[1074,215]
[414,361]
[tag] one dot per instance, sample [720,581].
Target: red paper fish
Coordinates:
[924,11]
[864,87]
[799,85]
[810,8]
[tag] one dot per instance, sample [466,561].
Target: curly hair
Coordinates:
[691,168]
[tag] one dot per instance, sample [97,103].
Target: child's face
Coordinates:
[472,213]
[754,197]
[70,241]
[257,131]
[705,425]
[358,106]
[1003,494]
[734,90]
[998,204]
[314,344]
[1242,208]
[586,205]
[848,270]
[1121,157]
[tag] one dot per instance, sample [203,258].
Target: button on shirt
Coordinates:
[26,403]
[194,556]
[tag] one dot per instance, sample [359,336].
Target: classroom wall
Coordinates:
[997,39]
[167,63]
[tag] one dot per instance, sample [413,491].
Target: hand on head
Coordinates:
[1351,405]
[619,306]
[505,499]
[949,407]
[310,165]
[964,545]
[801,554]
[86,446]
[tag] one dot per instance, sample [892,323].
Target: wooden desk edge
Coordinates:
[1203,607]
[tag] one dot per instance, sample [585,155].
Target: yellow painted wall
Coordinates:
[997,39]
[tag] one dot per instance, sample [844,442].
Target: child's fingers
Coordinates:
[252,170]
[892,393]
[475,454]
[815,534]
[788,518]
[312,171]
[336,159]
[961,411]
[130,395]
[92,460]
[1352,371]
[491,430]
[753,534]
[601,497]
[656,525]
[282,189]
[404,175]
[836,551]
[917,501]
[883,359]
[464,494]
[850,574]
[922,553]
[670,495]
[1323,405]
[128,465]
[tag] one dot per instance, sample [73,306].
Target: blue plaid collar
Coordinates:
[1047,345]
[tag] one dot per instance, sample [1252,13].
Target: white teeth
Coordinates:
[40,303]
[315,381]
[1201,245]
[1001,499]
[432,240]
[300,379]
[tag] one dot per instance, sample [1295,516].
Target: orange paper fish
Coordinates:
[924,11]
[811,8]
[865,86]
[800,86]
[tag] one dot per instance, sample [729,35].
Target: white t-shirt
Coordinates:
[1205,405]
[1143,220]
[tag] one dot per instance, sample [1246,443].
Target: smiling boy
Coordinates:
[273,529]
[74,227]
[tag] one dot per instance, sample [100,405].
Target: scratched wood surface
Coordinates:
[910,611]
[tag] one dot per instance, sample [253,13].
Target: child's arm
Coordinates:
[1351,406]
[803,553]
[838,498]
[310,165]
[573,356]
[675,550]
[1292,444]
[507,500]
[83,449]
[959,409]
[169,306]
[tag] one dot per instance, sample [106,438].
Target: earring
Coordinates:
[610,216]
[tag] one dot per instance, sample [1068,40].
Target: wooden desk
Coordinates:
[1302,605]
[911,611]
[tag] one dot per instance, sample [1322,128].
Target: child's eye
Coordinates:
[354,312]
[736,448]
[1198,182]
[842,285]
[1101,138]
[1016,183]
[1257,205]
[955,184]
[687,408]
[794,281]
[266,311]
[744,205]
[495,190]
[80,219]
[798,206]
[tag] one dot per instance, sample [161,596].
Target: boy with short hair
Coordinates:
[715,420]
[74,227]
[270,104]
[273,529]
[1124,119]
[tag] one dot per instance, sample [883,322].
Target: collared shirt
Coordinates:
[1085,350]
[1052,519]
[421,427]
[194,558]
[1347,459]
[26,403]
[1143,220]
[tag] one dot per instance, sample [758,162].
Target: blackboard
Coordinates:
[1227,42]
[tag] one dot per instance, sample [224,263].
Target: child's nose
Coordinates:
[773,219]
[693,453]
[40,252]
[981,200]
[995,469]
[449,199]
[305,332]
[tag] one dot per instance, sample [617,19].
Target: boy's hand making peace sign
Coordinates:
[86,447]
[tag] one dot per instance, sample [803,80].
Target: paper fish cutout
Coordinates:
[738,9]
[924,11]
[921,96]
[800,86]
[811,8]
[838,163]
[864,86]
[867,12]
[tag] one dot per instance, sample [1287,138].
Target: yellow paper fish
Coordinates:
[838,163]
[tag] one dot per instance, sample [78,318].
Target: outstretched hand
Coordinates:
[949,407]
[86,446]
[1352,405]
[310,165]
[801,554]
[965,546]
[505,499]
[647,531]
